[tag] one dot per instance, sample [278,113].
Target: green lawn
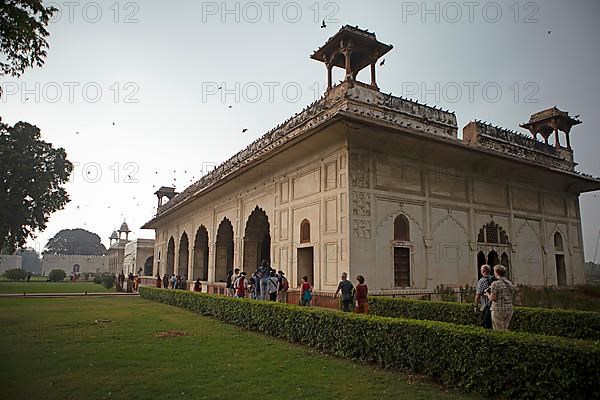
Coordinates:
[51,287]
[110,348]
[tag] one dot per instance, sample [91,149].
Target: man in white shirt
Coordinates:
[234,277]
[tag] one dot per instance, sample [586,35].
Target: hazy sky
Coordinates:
[152,68]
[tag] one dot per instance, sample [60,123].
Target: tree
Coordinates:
[57,275]
[31,175]
[75,241]
[23,35]
[108,280]
[15,274]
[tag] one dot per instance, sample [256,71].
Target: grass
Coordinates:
[51,287]
[54,349]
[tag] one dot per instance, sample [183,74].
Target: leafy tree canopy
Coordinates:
[75,241]
[23,35]
[32,173]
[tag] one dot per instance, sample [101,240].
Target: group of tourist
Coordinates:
[352,295]
[268,284]
[129,284]
[494,298]
[174,282]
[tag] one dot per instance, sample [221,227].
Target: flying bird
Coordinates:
[113,123]
[244,130]
[323,25]
[382,63]
[229,106]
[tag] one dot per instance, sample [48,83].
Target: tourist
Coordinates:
[241,285]
[252,286]
[305,292]
[158,281]
[347,289]
[183,283]
[273,283]
[284,286]
[255,282]
[173,281]
[165,281]
[130,283]
[264,271]
[197,286]
[136,282]
[362,293]
[501,294]
[229,284]
[234,278]
[28,276]
[482,302]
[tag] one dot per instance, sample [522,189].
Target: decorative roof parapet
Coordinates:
[483,134]
[346,98]
[401,112]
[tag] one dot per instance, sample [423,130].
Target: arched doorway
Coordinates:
[170,257]
[224,250]
[305,257]
[200,266]
[148,266]
[184,252]
[492,258]
[257,240]
[505,262]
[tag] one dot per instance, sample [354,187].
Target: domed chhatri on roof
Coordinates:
[124,227]
[118,235]
[114,236]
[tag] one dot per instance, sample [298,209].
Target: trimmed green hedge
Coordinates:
[509,364]
[544,321]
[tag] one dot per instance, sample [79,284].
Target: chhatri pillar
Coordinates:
[352,49]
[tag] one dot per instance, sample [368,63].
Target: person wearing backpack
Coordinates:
[284,286]
[347,289]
